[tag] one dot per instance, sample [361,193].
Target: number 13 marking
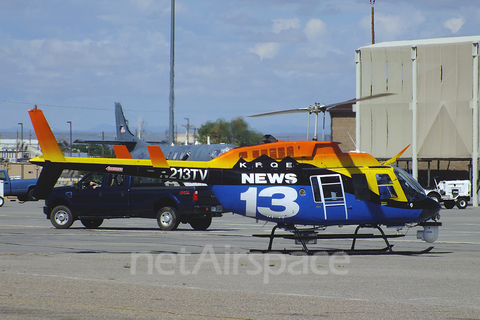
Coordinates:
[291,208]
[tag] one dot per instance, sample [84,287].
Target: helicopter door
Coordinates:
[328,189]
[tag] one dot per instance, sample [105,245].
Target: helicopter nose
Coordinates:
[431,208]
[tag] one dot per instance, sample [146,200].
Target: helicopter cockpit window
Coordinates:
[385,186]
[413,190]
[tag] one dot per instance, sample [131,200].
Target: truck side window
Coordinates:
[92,181]
[147,182]
[3,176]
[385,186]
[115,180]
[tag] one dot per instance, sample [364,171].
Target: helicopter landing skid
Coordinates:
[305,237]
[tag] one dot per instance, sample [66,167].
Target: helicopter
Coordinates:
[300,186]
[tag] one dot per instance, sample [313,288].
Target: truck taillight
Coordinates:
[195,195]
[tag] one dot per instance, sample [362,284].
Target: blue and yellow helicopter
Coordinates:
[301,186]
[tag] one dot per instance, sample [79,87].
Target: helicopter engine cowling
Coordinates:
[428,234]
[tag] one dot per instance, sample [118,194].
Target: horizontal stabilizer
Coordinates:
[121,152]
[50,148]
[157,157]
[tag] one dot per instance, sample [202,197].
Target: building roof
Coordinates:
[342,110]
[410,43]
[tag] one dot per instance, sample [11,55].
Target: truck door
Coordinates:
[88,198]
[328,190]
[115,196]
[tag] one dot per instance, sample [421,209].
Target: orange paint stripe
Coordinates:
[157,157]
[121,152]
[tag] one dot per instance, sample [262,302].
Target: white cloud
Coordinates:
[454,24]
[285,24]
[390,27]
[265,50]
[314,28]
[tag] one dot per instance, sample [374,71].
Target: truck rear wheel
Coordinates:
[201,223]
[462,203]
[61,217]
[92,223]
[168,218]
[30,195]
[2,201]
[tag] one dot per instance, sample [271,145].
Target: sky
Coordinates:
[233,58]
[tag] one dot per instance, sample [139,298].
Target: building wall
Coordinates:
[341,128]
[444,94]
[21,170]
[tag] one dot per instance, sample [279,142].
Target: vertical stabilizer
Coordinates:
[123,132]
[49,145]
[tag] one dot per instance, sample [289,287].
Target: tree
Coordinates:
[234,132]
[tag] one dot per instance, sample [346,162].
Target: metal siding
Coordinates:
[386,122]
[445,118]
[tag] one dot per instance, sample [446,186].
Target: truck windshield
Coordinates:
[413,190]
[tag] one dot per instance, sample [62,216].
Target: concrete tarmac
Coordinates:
[130,269]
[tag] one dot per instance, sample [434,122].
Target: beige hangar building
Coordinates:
[433,107]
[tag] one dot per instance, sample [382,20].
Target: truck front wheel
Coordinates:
[168,218]
[2,201]
[201,223]
[61,217]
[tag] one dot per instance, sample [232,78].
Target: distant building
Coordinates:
[13,150]
[342,126]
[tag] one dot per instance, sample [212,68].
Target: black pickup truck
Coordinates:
[107,196]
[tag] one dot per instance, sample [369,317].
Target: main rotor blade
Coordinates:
[320,108]
[359,99]
[280,112]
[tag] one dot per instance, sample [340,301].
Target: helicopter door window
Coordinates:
[385,186]
[332,188]
[329,190]
[360,187]
[316,189]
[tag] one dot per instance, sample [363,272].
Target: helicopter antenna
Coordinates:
[353,141]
